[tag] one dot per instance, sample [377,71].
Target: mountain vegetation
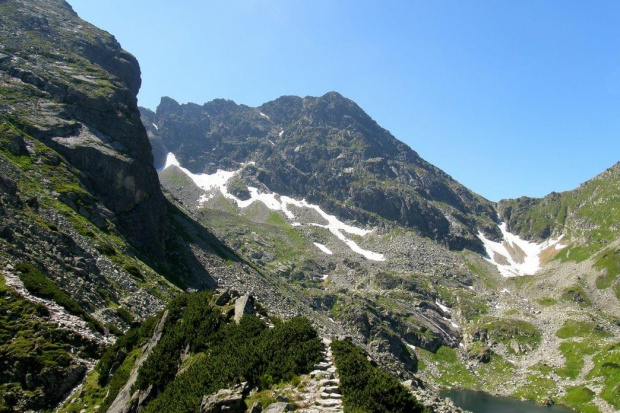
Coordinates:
[126,287]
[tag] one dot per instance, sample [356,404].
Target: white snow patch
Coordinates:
[281,133]
[204,198]
[499,253]
[295,224]
[273,201]
[505,291]
[323,248]
[461,345]
[263,115]
[155,126]
[411,346]
[203,181]
[271,142]
[451,322]
[443,307]
[324,276]
[471,287]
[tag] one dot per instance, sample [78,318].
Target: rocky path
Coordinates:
[321,392]
[58,315]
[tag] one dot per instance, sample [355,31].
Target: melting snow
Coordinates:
[411,346]
[155,126]
[263,115]
[323,248]
[451,322]
[443,307]
[217,182]
[281,133]
[515,256]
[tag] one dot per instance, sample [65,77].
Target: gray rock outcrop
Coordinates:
[244,305]
[226,400]
[78,96]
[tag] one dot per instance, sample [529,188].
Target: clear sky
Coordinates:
[510,98]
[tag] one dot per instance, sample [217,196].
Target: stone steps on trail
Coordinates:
[331,389]
[321,394]
[334,396]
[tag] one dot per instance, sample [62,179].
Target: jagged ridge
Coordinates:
[329,151]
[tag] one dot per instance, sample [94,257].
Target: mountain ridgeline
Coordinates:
[318,230]
[328,151]
[588,215]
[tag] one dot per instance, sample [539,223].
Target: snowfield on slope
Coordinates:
[217,182]
[514,256]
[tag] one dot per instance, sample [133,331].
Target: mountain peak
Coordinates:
[329,150]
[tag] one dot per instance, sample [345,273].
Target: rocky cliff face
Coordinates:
[329,151]
[74,88]
[79,201]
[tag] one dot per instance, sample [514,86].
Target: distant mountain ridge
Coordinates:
[306,205]
[329,151]
[588,214]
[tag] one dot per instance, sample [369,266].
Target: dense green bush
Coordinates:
[220,354]
[366,388]
[115,354]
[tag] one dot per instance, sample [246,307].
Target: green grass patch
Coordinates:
[66,187]
[452,372]
[264,397]
[537,389]
[580,398]
[577,254]
[134,271]
[609,262]
[573,328]
[574,353]
[472,307]
[507,331]
[607,366]
[547,301]
[498,370]
[576,294]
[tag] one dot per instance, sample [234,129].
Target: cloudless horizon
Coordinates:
[509,98]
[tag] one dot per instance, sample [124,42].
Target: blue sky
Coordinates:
[510,98]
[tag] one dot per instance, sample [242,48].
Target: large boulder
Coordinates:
[227,400]
[244,305]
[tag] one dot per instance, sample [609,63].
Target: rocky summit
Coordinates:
[328,151]
[291,256]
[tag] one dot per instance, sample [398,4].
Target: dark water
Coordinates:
[479,402]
